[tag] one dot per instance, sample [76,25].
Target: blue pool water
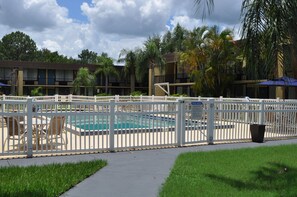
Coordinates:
[124,122]
[123,125]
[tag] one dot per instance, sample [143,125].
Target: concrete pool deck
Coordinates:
[131,174]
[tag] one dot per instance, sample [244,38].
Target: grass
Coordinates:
[265,171]
[47,180]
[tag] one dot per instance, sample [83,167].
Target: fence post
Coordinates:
[70,97]
[56,97]
[3,106]
[29,127]
[210,121]
[180,123]
[111,125]
[261,115]
[220,107]
[246,119]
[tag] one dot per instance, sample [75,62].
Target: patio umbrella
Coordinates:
[3,84]
[283,81]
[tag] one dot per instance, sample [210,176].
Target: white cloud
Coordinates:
[112,24]
[138,18]
[185,21]
[51,45]
[35,15]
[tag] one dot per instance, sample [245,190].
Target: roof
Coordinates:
[46,65]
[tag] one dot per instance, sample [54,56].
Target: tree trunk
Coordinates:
[280,90]
[150,81]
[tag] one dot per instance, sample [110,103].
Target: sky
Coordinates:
[70,26]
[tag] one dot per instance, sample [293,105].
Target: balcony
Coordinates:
[182,77]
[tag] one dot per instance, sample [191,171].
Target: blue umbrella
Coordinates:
[283,81]
[3,84]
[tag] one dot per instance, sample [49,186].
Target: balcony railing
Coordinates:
[172,78]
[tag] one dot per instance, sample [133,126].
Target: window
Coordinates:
[64,75]
[5,73]
[30,74]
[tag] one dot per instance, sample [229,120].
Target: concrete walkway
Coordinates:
[130,174]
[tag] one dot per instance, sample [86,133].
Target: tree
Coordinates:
[167,44]
[268,28]
[194,58]
[151,57]
[179,36]
[130,59]
[206,5]
[45,55]
[174,41]
[87,57]
[106,67]
[269,31]
[83,78]
[17,46]
[211,57]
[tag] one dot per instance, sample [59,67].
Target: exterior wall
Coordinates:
[53,78]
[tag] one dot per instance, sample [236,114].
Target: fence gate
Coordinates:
[193,122]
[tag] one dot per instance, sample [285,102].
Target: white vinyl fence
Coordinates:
[65,124]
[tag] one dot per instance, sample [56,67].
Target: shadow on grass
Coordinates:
[275,177]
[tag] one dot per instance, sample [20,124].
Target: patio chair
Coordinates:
[16,131]
[55,131]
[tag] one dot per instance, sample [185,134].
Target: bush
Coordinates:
[178,95]
[137,93]
[36,91]
[103,94]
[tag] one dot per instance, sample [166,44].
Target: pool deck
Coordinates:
[133,173]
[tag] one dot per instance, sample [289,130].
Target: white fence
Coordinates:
[77,124]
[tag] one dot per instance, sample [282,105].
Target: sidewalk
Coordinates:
[130,174]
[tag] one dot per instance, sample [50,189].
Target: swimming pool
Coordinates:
[123,124]
[90,123]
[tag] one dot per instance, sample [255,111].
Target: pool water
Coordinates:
[123,125]
[123,122]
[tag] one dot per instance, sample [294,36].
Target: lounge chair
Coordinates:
[16,131]
[55,131]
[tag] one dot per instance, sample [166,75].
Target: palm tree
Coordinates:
[205,5]
[269,30]
[130,59]
[210,58]
[106,67]
[193,59]
[83,78]
[151,56]
[268,27]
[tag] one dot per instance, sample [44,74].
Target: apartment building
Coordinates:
[54,78]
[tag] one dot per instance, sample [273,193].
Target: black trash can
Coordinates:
[257,132]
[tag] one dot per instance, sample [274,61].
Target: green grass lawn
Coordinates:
[265,171]
[47,180]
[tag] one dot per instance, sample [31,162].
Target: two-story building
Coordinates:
[54,78]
